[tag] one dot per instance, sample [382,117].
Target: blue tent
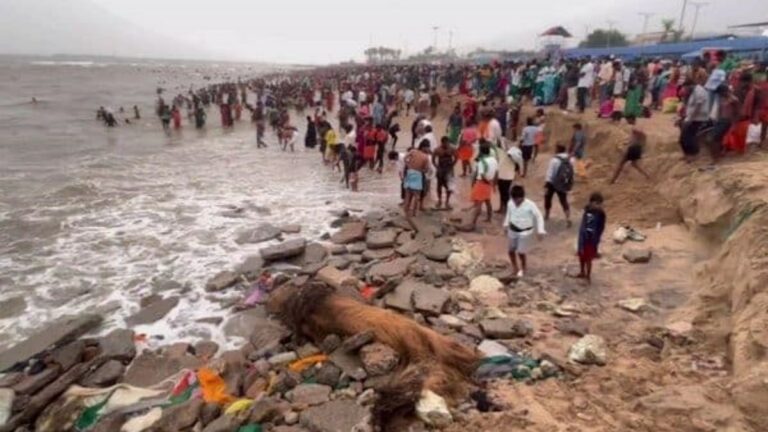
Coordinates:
[752,46]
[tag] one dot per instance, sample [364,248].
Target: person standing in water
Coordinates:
[176,115]
[523,219]
[310,139]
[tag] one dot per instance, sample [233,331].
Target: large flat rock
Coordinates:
[260,234]
[396,267]
[284,250]
[336,416]
[402,297]
[350,232]
[430,300]
[155,311]
[58,333]
[380,239]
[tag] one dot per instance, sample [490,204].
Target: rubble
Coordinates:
[590,349]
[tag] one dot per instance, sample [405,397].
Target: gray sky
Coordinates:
[303,31]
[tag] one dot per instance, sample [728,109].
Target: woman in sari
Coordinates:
[455,123]
[634,103]
[467,139]
[746,93]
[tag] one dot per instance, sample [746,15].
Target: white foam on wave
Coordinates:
[165,221]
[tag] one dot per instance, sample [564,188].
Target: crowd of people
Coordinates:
[354,117]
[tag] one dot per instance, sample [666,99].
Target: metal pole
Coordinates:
[698,6]
[435,44]
[682,16]
[646,16]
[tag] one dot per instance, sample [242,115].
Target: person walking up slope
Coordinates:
[559,181]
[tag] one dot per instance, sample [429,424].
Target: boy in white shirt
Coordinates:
[522,220]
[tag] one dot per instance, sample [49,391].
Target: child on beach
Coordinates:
[590,232]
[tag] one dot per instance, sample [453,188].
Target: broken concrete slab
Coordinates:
[402,297]
[284,250]
[350,364]
[506,328]
[439,250]
[56,334]
[334,277]
[260,234]
[152,313]
[150,368]
[350,232]
[390,269]
[430,300]
[221,281]
[340,415]
[377,254]
[380,239]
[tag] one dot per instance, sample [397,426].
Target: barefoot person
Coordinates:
[559,180]
[486,167]
[467,140]
[522,220]
[590,232]
[528,143]
[416,167]
[444,159]
[633,155]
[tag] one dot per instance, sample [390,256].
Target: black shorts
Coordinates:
[443,179]
[527,152]
[634,153]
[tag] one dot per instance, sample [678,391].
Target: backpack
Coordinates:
[563,181]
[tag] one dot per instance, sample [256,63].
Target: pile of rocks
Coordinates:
[376,258]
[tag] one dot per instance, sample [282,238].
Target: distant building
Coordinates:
[752,29]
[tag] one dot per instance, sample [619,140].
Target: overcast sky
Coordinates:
[304,31]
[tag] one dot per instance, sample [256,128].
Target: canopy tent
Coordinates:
[557,31]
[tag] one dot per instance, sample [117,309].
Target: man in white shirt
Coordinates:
[586,81]
[697,115]
[409,97]
[523,219]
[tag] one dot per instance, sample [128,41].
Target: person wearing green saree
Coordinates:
[634,106]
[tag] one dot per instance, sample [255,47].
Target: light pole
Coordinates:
[697,5]
[435,29]
[682,16]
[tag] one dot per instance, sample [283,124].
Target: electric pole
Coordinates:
[646,16]
[697,5]
[682,16]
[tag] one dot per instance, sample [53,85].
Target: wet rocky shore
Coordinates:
[278,380]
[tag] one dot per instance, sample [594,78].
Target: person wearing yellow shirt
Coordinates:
[332,147]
